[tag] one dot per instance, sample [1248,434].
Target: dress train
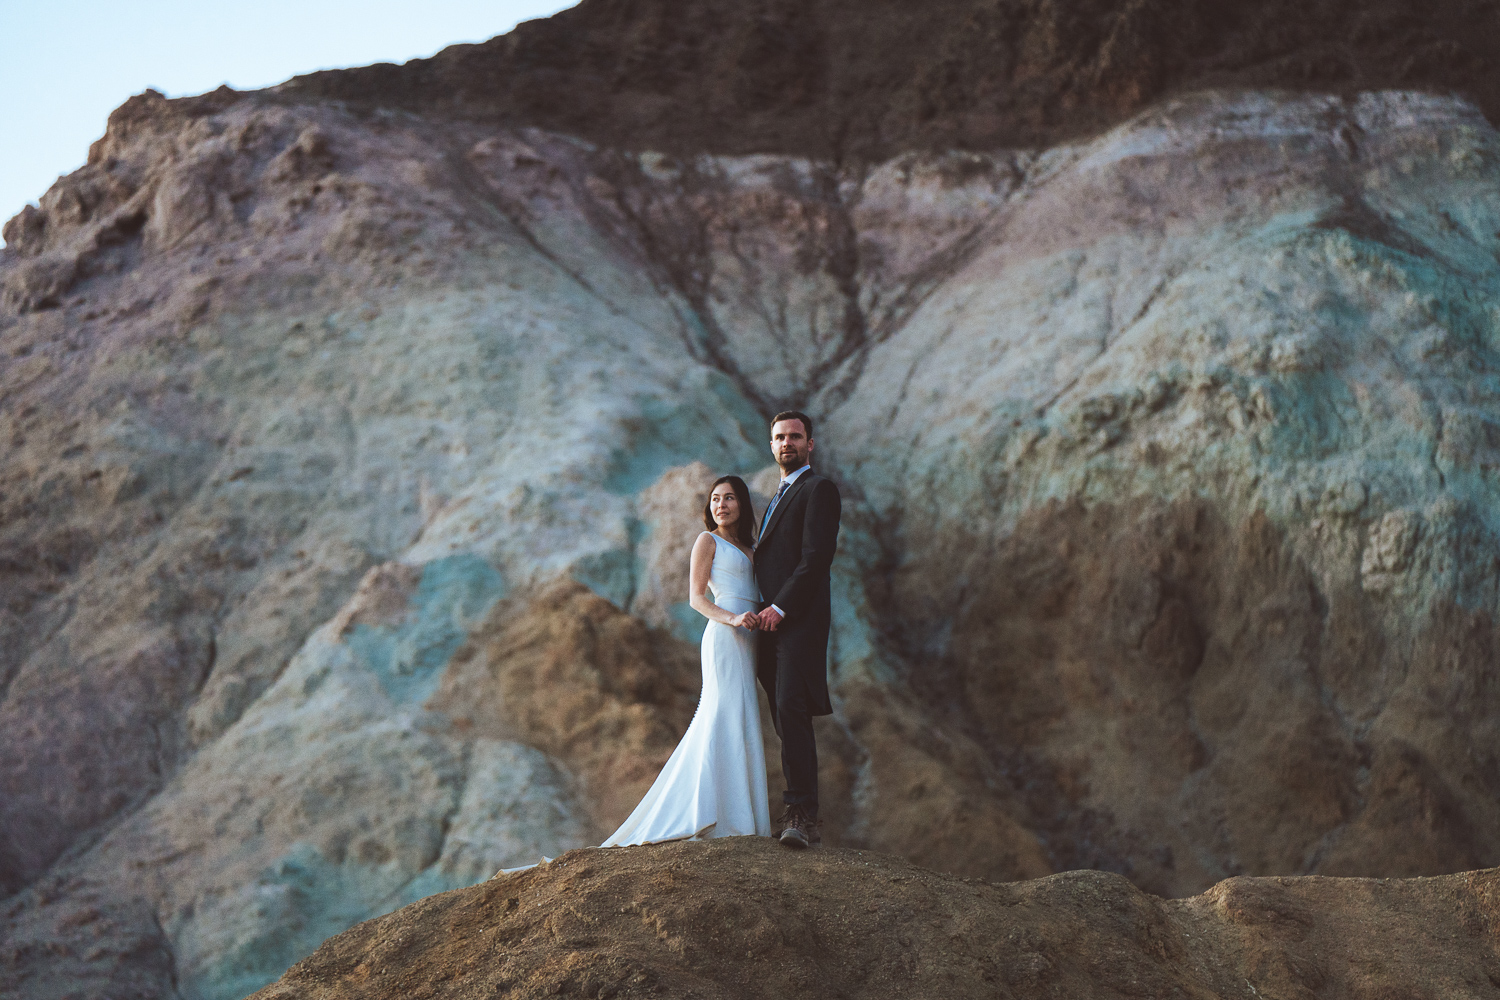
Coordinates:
[714,784]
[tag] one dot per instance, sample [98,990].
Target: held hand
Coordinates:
[769,619]
[745,621]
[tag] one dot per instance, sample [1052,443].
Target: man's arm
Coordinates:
[820,532]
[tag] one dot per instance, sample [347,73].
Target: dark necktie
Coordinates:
[774,501]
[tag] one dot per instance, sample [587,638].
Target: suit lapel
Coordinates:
[781,507]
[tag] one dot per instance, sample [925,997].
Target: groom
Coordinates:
[792,559]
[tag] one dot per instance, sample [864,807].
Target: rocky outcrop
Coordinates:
[865,80]
[351,456]
[742,918]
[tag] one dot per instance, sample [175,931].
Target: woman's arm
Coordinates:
[701,564]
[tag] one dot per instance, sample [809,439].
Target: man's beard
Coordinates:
[790,462]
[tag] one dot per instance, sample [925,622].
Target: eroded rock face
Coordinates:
[737,918]
[351,460]
[870,79]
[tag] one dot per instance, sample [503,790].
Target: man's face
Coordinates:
[790,445]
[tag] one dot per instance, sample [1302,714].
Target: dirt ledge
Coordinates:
[745,918]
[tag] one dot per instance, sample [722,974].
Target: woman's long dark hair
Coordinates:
[745,526]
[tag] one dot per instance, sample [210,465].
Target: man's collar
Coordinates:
[792,478]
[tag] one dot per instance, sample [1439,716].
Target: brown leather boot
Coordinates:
[795,829]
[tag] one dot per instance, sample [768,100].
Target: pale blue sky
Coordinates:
[66,64]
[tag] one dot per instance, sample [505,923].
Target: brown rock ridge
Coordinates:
[1147,647]
[743,918]
[853,79]
[573,676]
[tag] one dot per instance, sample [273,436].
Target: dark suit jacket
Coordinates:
[792,562]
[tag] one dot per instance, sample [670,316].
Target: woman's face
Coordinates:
[724,505]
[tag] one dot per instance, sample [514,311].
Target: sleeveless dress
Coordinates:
[714,785]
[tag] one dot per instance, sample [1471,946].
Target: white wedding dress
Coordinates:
[714,785]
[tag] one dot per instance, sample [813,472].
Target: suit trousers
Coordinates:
[780,669]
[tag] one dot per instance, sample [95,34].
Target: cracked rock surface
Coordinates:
[350,460]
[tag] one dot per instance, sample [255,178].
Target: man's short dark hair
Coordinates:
[795,415]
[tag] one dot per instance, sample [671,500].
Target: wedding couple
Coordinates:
[768,619]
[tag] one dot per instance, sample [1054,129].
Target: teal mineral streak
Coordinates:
[301,897]
[453,595]
[611,575]
[686,623]
[710,422]
[297,903]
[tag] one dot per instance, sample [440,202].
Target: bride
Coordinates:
[714,784]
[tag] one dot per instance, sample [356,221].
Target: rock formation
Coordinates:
[738,918]
[352,450]
[865,80]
